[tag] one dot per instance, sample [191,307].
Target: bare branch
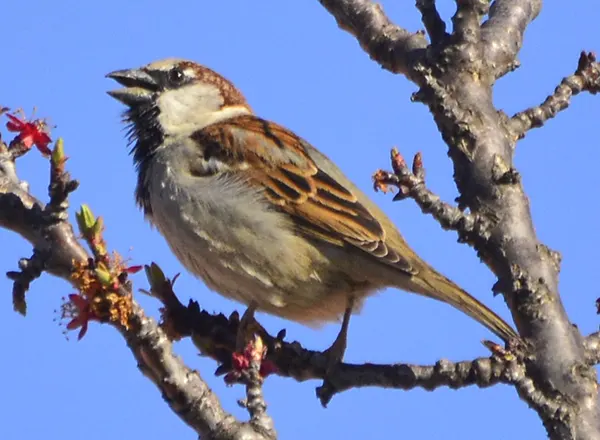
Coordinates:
[435,26]
[471,228]
[53,237]
[482,372]
[30,269]
[24,214]
[215,336]
[393,47]
[481,148]
[585,79]
[502,33]
[182,388]
[456,84]
[467,20]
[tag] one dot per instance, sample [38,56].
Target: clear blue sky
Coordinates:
[296,67]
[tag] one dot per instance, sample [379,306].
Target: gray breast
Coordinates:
[224,231]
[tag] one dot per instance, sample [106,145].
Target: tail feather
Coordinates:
[437,286]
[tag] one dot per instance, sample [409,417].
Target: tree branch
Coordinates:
[52,236]
[471,228]
[255,402]
[467,19]
[585,79]
[435,26]
[483,372]
[182,388]
[456,83]
[502,34]
[481,147]
[215,336]
[393,47]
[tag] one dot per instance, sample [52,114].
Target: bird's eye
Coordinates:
[176,76]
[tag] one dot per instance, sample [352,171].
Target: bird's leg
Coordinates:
[245,322]
[335,353]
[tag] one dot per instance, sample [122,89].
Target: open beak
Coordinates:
[139,88]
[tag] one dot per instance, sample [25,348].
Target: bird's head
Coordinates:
[174,97]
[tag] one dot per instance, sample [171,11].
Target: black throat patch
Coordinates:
[145,136]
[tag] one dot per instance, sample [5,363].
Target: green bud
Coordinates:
[58,154]
[104,276]
[155,275]
[98,225]
[85,219]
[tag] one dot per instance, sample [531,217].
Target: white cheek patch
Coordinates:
[187,107]
[193,107]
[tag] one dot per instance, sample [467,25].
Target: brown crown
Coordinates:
[231,95]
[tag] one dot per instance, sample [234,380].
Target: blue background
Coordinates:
[296,67]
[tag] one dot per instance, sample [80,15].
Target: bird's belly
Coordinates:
[226,234]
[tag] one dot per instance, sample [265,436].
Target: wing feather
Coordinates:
[278,160]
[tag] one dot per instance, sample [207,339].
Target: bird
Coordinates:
[258,213]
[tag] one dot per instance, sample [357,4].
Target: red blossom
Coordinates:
[240,362]
[82,316]
[30,133]
[133,269]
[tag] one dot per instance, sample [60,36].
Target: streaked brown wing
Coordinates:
[318,204]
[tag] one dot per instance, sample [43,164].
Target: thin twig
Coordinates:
[471,228]
[585,79]
[255,401]
[30,269]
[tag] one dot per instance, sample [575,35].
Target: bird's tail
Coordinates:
[434,285]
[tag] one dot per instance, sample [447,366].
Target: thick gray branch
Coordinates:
[182,388]
[502,34]
[393,47]
[467,19]
[456,81]
[482,151]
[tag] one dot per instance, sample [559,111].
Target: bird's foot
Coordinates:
[335,353]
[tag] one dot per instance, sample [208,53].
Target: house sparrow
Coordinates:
[257,212]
